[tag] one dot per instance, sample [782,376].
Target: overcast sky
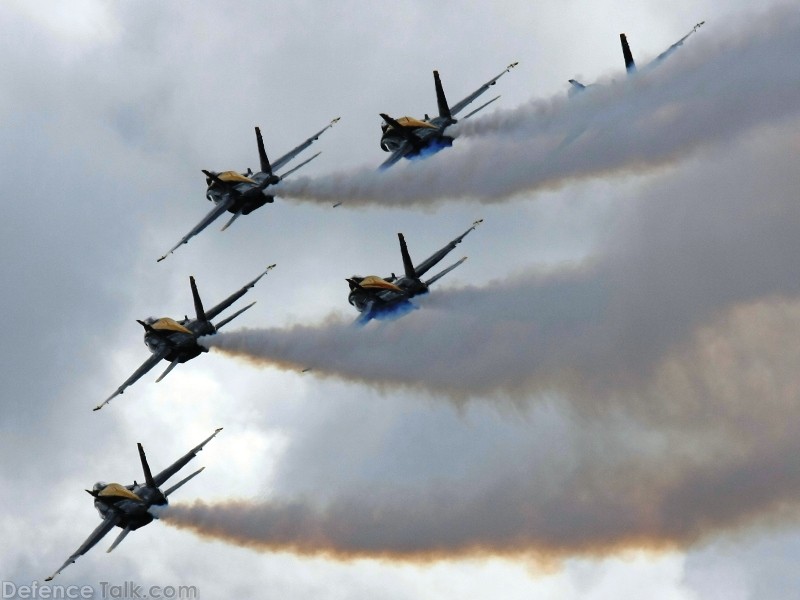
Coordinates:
[603,398]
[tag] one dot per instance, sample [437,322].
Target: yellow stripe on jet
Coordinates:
[115,490]
[373,281]
[412,122]
[167,324]
[233,176]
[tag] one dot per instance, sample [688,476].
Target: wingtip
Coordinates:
[514,64]
[217,430]
[335,121]
[98,407]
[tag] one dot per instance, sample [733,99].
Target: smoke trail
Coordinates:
[670,265]
[674,352]
[663,487]
[714,91]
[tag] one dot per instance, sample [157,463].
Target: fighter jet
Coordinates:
[176,341]
[375,297]
[408,137]
[630,65]
[130,507]
[242,193]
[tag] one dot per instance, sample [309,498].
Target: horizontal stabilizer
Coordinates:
[120,537]
[438,276]
[167,370]
[183,481]
[302,164]
[227,320]
[481,107]
[235,216]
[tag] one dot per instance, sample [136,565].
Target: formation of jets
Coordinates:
[130,507]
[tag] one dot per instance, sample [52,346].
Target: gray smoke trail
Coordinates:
[672,264]
[662,487]
[715,90]
[673,350]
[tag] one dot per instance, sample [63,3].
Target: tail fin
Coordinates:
[262,154]
[198,304]
[407,264]
[630,66]
[444,109]
[148,476]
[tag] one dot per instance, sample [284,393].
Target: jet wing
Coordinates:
[107,525]
[431,261]
[458,107]
[146,366]
[398,154]
[292,153]
[674,47]
[164,475]
[213,312]
[219,209]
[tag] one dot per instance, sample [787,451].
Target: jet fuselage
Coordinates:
[182,345]
[246,197]
[133,512]
[383,302]
[427,137]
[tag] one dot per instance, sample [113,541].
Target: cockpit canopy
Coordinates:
[167,324]
[409,122]
[230,177]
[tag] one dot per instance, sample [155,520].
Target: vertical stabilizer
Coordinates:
[630,66]
[444,109]
[148,476]
[198,304]
[408,266]
[262,154]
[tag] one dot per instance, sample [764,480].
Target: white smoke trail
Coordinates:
[715,90]
[717,454]
[670,265]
